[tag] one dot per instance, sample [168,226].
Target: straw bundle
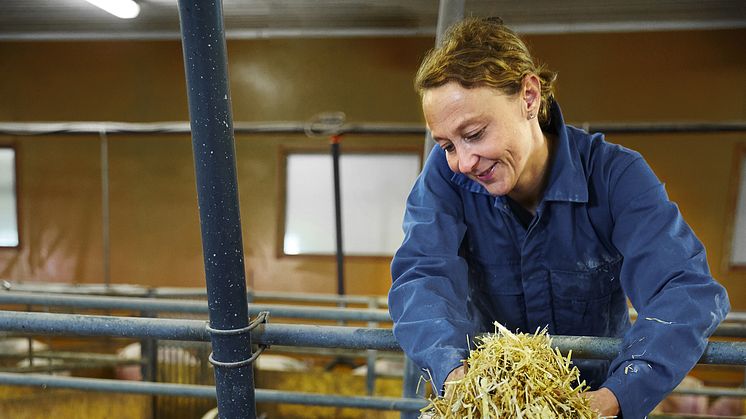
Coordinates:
[514,376]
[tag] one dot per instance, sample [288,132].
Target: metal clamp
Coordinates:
[261,318]
[325,124]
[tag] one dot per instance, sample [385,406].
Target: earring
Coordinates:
[530,115]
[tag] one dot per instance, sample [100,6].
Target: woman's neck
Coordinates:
[530,190]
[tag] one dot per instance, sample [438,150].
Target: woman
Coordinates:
[519,218]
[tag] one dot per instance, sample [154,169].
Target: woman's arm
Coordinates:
[667,279]
[429,295]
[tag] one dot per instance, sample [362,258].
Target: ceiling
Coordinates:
[158,19]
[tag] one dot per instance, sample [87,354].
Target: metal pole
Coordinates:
[205,62]
[335,140]
[190,390]
[149,353]
[410,383]
[183,292]
[449,12]
[732,327]
[370,376]
[369,128]
[105,223]
[265,396]
[154,305]
[730,353]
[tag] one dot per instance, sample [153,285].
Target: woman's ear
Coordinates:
[531,94]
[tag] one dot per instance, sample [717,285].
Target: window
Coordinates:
[735,246]
[8,207]
[373,189]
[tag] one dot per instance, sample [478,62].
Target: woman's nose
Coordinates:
[467,162]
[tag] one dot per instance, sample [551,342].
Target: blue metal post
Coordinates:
[205,62]
[410,385]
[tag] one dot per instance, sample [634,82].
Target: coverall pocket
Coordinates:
[502,291]
[581,300]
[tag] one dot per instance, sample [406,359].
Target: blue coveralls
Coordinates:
[604,231]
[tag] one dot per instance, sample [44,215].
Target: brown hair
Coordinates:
[484,52]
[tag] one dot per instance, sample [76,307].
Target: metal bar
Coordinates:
[189,390]
[154,305]
[244,32]
[105,214]
[262,396]
[339,353]
[361,402]
[665,127]
[208,91]
[66,128]
[80,289]
[182,306]
[73,356]
[371,373]
[121,289]
[370,128]
[339,249]
[410,384]
[449,12]
[55,368]
[737,330]
[318,298]
[122,327]
[149,353]
[713,391]
[184,292]
[326,337]
[731,353]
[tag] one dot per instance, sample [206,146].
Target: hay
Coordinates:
[514,376]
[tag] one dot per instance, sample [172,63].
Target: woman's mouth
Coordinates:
[487,175]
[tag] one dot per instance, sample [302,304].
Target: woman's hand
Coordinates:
[455,375]
[603,401]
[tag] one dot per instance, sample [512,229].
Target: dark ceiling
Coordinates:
[158,19]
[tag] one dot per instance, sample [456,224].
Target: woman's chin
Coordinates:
[497,189]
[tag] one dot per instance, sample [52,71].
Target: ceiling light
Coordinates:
[124,9]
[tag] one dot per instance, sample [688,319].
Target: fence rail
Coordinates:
[732,353]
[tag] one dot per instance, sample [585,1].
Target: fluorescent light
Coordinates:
[123,9]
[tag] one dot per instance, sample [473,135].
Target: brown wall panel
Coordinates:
[155,240]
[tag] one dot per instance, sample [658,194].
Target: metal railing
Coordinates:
[733,353]
[162,305]
[731,328]
[126,290]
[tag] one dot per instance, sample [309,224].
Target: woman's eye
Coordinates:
[477,135]
[448,148]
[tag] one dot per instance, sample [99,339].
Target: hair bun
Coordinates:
[495,20]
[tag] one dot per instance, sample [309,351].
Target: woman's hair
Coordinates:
[480,52]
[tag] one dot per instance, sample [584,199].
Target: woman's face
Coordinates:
[486,135]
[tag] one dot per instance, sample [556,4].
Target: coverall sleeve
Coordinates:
[428,296]
[667,279]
